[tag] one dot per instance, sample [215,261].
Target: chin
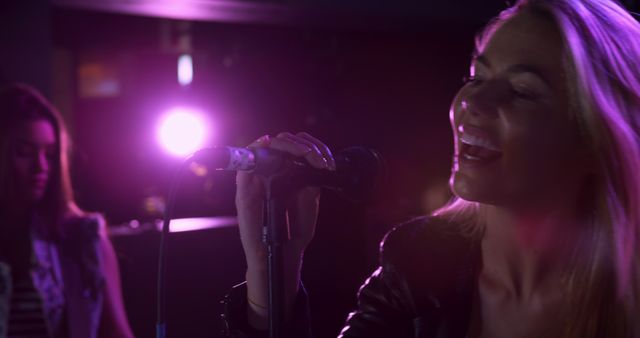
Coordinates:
[473,191]
[36,196]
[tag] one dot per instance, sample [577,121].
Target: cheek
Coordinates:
[538,128]
[542,154]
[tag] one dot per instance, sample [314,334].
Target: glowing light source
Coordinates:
[199,223]
[181,131]
[185,69]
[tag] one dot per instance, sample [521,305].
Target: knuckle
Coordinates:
[284,134]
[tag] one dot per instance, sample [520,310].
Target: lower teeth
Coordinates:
[469,157]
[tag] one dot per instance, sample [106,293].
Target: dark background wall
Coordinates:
[26,40]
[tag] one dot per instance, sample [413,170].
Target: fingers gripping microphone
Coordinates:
[359,171]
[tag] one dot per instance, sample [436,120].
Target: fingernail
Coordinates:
[263,138]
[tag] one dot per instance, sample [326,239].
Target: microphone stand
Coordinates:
[281,176]
[275,235]
[279,182]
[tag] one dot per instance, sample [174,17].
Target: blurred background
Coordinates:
[143,82]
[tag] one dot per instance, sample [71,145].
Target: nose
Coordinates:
[483,101]
[41,162]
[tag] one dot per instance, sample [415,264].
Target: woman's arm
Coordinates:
[113,323]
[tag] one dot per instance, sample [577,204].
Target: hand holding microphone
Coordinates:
[293,168]
[302,204]
[302,212]
[304,163]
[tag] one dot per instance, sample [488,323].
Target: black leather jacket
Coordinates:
[423,288]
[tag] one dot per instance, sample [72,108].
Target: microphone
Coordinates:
[359,170]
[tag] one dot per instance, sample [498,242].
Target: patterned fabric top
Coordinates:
[5,293]
[26,316]
[67,276]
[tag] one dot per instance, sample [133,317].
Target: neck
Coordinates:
[526,251]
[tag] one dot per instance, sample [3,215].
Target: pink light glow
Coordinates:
[182,131]
[199,223]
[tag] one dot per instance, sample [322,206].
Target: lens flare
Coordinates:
[181,131]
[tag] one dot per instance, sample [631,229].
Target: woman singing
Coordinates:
[542,237]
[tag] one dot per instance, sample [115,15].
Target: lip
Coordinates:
[476,136]
[468,136]
[39,181]
[464,162]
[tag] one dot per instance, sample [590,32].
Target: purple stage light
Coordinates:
[182,131]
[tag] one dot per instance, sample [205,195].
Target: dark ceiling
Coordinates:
[319,12]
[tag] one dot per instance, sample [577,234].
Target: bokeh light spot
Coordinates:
[185,69]
[181,132]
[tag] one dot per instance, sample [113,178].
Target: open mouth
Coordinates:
[475,153]
[478,149]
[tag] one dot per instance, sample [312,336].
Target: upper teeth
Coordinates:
[478,142]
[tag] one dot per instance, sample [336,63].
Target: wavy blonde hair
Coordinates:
[602,59]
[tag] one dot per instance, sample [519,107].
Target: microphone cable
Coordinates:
[161,325]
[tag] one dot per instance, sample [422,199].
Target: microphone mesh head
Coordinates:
[362,172]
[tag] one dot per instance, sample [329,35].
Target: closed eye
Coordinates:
[524,94]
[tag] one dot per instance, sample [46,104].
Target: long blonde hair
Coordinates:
[602,51]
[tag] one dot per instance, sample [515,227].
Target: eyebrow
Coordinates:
[517,68]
